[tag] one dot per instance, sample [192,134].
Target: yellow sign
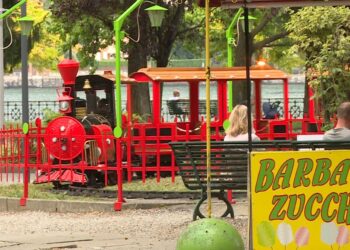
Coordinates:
[300,200]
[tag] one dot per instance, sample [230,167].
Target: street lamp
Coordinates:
[119,35]
[26,24]
[2,16]
[156,15]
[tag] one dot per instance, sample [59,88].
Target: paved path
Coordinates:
[156,228]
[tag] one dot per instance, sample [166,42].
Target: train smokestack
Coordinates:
[68,69]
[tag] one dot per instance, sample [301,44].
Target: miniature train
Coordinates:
[84,135]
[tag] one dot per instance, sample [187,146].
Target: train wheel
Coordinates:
[112,178]
[59,185]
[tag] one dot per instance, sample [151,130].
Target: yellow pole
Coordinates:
[207,87]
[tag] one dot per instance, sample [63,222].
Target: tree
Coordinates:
[12,33]
[265,31]
[322,36]
[89,23]
[45,52]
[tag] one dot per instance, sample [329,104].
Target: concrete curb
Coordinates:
[60,206]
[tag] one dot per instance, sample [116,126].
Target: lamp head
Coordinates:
[65,100]
[156,15]
[261,62]
[250,19]
[26,25]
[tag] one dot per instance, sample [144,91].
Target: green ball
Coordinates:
[210,234]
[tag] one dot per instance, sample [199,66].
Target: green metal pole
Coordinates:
[12,9]
[118,36]
[229,38]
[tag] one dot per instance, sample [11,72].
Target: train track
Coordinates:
[105,193]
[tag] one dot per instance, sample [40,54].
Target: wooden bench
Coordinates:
[229,165]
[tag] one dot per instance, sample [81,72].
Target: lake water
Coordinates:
[269,90]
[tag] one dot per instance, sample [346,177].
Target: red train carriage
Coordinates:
[84,135]
[149,140]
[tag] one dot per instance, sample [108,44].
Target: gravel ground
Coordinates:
[129,229]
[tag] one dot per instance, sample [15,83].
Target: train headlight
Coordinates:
[64,106]
[65,100]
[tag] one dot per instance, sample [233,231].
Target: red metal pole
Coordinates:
[25,180]
[156,102]
[39,153]
[129,102]
[194,102]
[289,127]
[221,102]
[286,99]
[118,204]
[311,105]
[257,102]
[158,151]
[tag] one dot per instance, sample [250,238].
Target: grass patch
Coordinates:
[151,184]
[39,191]
[44,191]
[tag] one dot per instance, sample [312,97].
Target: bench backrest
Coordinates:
[229,160]
[179,107]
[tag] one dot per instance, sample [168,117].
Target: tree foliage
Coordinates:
[46,52]
[266,30]
[89,24]
[322,36]
[12,34]
[43,45]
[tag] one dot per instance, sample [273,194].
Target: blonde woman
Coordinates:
[238,129]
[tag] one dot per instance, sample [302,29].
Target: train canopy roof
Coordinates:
[198,74]
[273,3]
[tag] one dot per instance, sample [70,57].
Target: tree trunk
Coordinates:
[239,88]
[140,95]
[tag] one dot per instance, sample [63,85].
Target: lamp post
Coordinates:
[156,12]
[2,16]
[26,26]
[230,41]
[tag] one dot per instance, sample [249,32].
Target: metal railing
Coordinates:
[296,106]
[13,110]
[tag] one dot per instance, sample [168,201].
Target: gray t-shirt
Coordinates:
[337,134]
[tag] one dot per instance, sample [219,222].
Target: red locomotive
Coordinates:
[83,136]
[80,146]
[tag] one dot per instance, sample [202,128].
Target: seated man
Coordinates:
[341,132]
[103,107]
[174,105]
[270,110]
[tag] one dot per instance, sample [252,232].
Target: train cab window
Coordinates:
[103,107]
[80,107]
[101,94]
